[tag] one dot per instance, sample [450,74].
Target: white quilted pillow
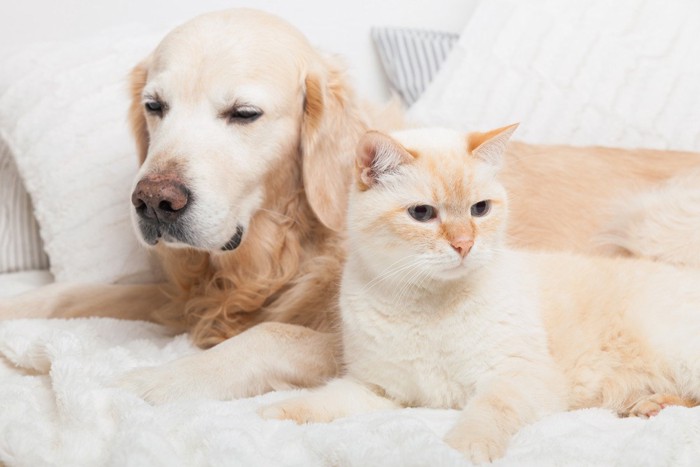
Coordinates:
[63,114]
[583,72]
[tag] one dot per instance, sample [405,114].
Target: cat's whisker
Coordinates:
[402,279]
[418,281]
[399,293]
[428,275]
[411,279]
[389,272]
[403,258]
[392,270]
[423,277]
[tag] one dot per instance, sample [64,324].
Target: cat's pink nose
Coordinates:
[462,245]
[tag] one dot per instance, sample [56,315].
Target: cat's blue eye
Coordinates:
[481,208]
[422,212]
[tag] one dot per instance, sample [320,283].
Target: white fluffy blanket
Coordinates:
[58,406]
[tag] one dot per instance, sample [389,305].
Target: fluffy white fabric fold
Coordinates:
[59,406]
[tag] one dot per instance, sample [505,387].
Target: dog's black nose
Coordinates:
[160,198]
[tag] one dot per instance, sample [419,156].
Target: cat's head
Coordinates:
[427,202]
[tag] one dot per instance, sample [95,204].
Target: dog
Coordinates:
[246,136]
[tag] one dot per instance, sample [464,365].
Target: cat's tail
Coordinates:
[662,224]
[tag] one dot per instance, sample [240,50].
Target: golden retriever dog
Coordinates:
[246,136]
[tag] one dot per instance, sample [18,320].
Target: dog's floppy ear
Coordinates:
[137,117]
[329,135]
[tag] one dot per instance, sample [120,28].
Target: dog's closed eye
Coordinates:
[243,114]
[155,107]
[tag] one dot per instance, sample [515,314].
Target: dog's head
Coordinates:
[225,103]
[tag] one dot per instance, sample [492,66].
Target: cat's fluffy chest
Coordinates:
[433,352]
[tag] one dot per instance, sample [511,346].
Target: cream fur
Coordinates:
[508,336]
[661,224]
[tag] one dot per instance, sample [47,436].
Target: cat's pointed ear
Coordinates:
[377,155]
[491,145]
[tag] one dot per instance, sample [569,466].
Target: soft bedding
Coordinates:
[59,405]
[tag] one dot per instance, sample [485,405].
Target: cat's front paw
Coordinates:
[650,406]
[477,447]
[298,410]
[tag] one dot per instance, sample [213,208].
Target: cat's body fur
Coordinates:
[439,313]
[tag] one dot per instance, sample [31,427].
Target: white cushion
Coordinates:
[63,110]
[582,72]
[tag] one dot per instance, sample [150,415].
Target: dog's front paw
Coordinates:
[156,385]
[181,379]
[298,410]
[478,448]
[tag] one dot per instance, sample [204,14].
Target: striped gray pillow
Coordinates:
[412,57]
[21,248]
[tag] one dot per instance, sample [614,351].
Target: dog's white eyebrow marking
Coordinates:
[249,94]
[152,92]
[151,96]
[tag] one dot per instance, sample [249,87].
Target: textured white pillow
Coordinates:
[63,114]
[583,72]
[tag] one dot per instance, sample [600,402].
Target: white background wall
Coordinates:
[337,26]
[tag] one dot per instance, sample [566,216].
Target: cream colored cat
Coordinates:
[437,312]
